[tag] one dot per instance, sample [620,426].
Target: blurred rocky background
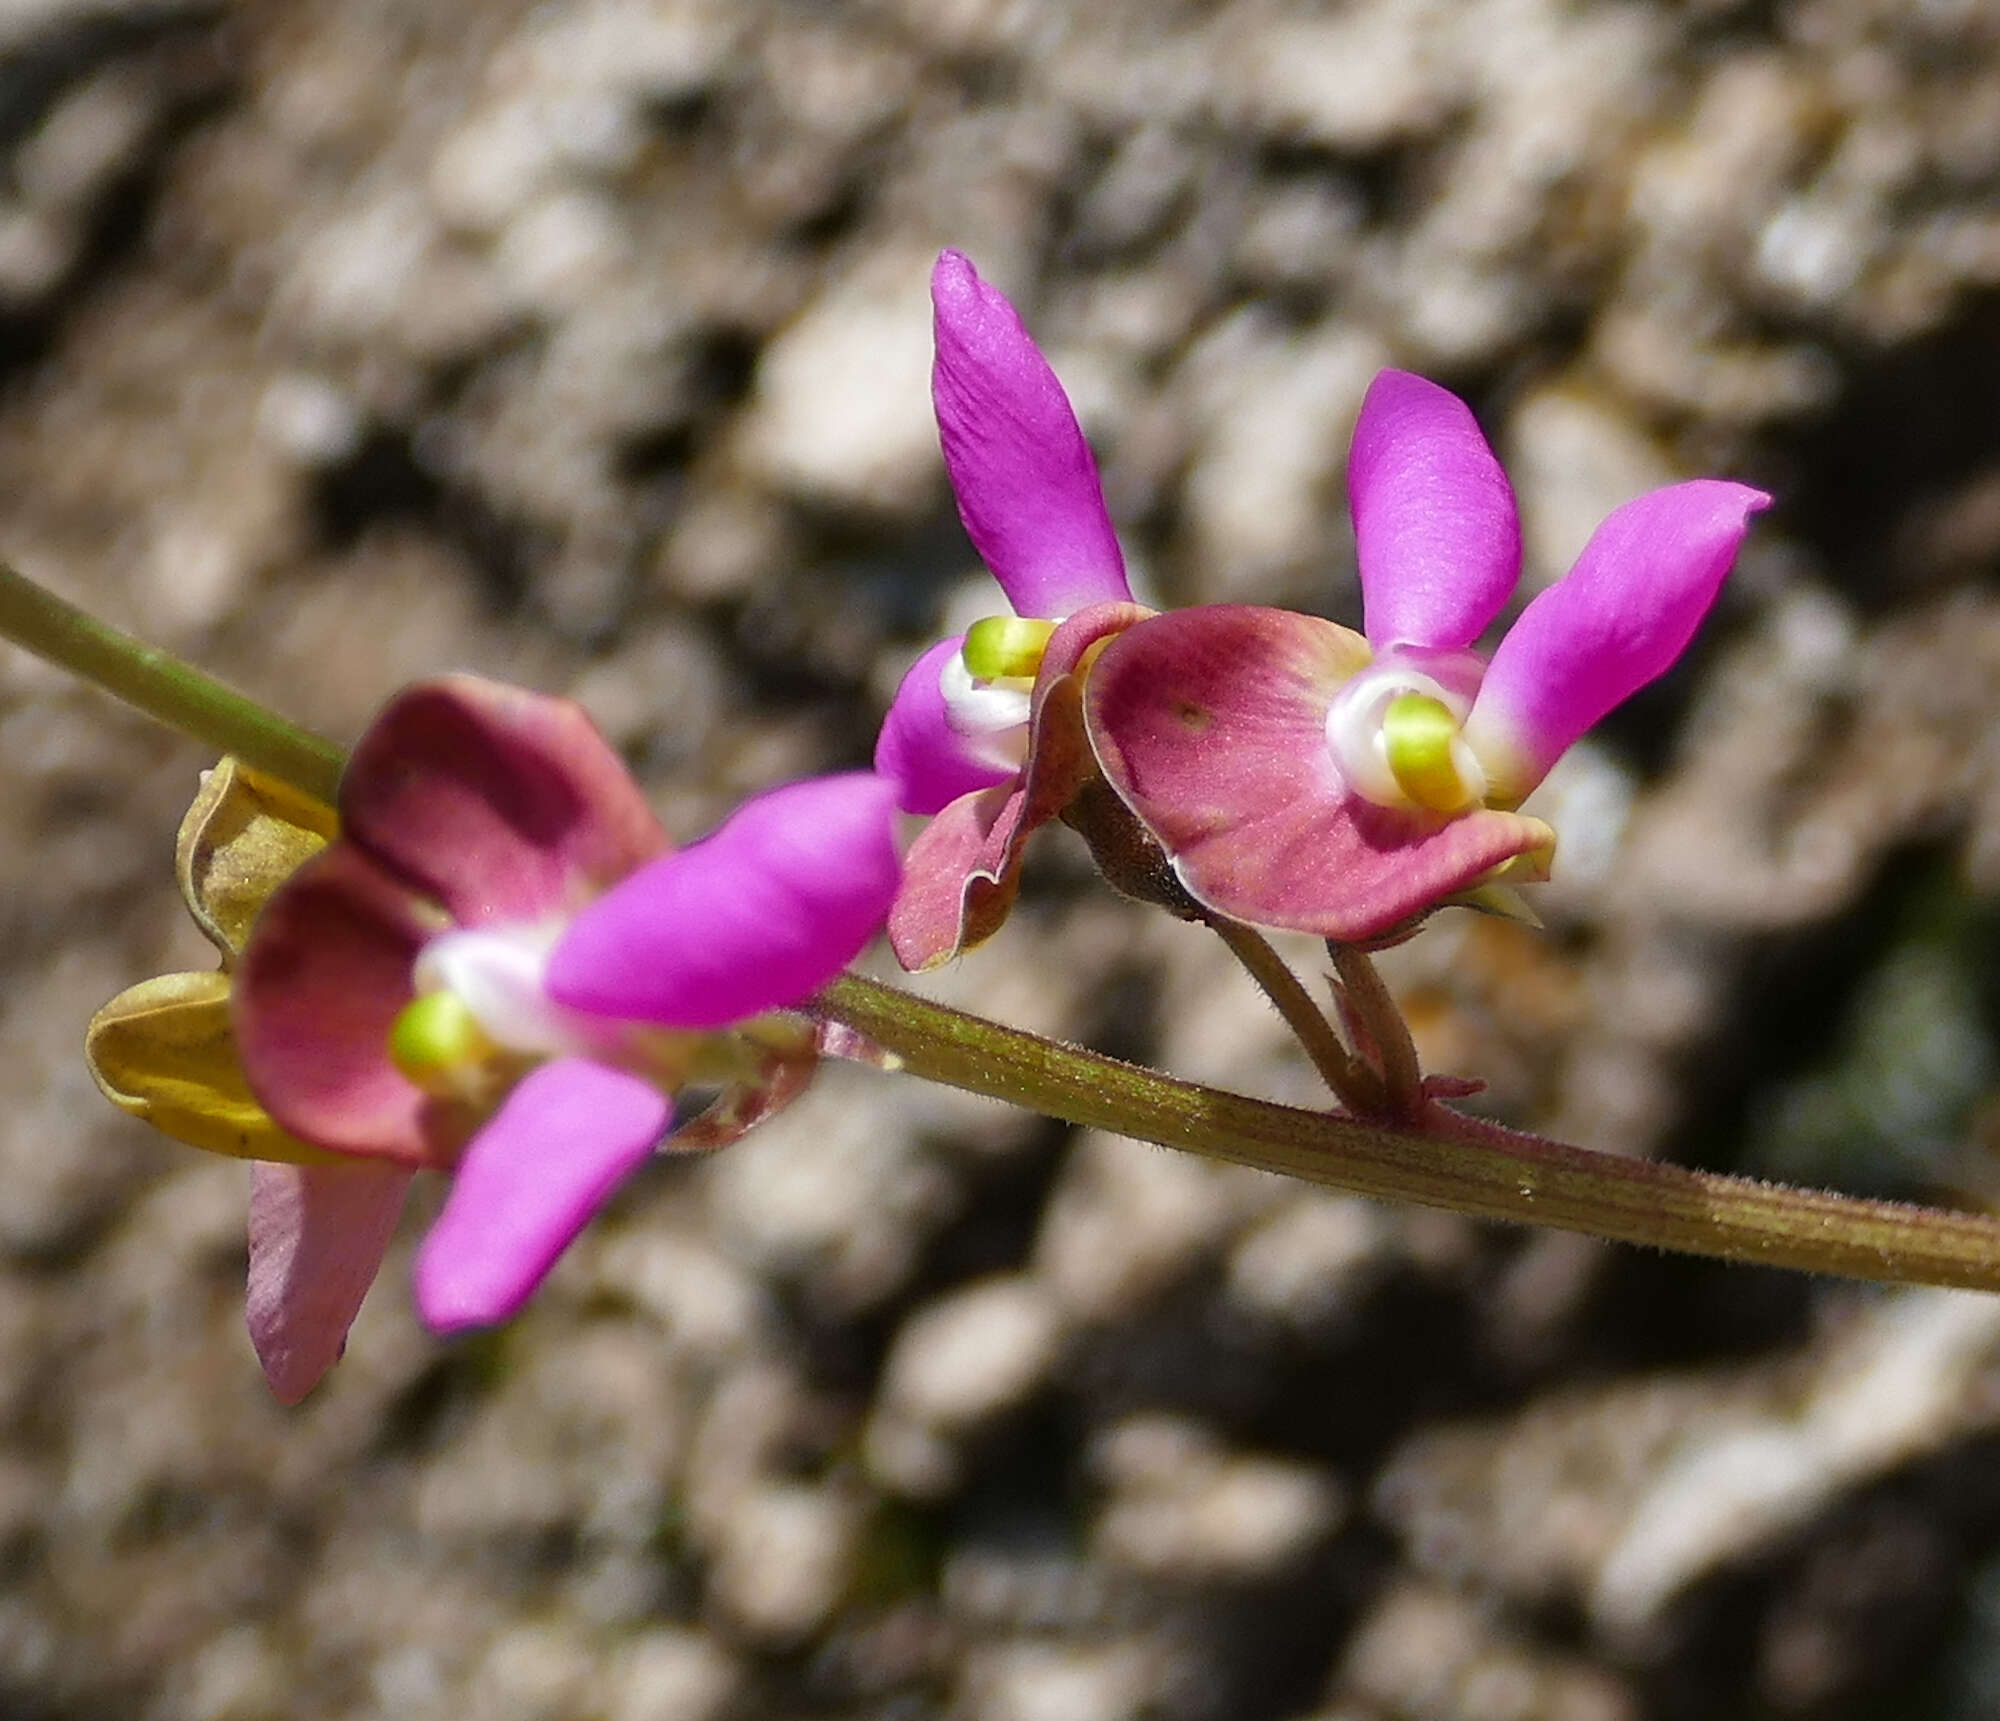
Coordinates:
[586,343]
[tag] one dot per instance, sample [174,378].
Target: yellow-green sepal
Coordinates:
[165,1052]
[1502,902]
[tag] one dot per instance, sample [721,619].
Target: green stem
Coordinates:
[1456,1163]
[1353,1083]
[164,687]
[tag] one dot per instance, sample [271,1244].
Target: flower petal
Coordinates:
[317,1237]
[957,887]
[1026,484]
[918,749]
[1435,529]
[963,871]
[501,804]
[165,1051]
[1210,724]
[327,971]
[755,917]
[567,1136]
[1617,620]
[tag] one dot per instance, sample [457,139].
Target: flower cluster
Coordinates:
[492,963]
[1289,772]
[499,968]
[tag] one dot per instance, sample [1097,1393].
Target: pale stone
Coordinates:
[1377,72]
[972,1355]
[842,408]
[1573,457]
[784,1560]
[672,1675]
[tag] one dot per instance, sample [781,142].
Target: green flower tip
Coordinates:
[437,1041]
[1425,752]
[1006,648]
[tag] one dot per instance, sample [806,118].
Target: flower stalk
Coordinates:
[1369,1004]
[1354,1084]
[166,688]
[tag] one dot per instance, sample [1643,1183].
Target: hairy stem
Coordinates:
[162,686]
[1354,1084]
[1453,1162]
[1376,1011]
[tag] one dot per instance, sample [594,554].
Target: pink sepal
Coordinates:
[322,980]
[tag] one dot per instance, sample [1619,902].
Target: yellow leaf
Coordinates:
[164,1051]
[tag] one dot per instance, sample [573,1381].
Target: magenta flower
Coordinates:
[969,717]
[1300,776]
[502,970]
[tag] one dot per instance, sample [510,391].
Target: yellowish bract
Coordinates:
[164,1050]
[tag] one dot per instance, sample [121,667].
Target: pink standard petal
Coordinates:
[1026,484]
[755,917]
[504,805]
[1435,528]
[919,751]
[317,1237]
[568,1135]
[322,980]
[1211,726]
[1619,619]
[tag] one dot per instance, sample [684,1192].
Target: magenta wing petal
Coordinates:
[1435,528]
[317,1237]
[755,917]
[321,982]
[1026,484]
[1210,724]
[567,1136]
[501,804]
[919,751]
[1617,620]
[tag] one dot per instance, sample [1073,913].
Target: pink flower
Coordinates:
[502,970]
[1300,776]
[971,728]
